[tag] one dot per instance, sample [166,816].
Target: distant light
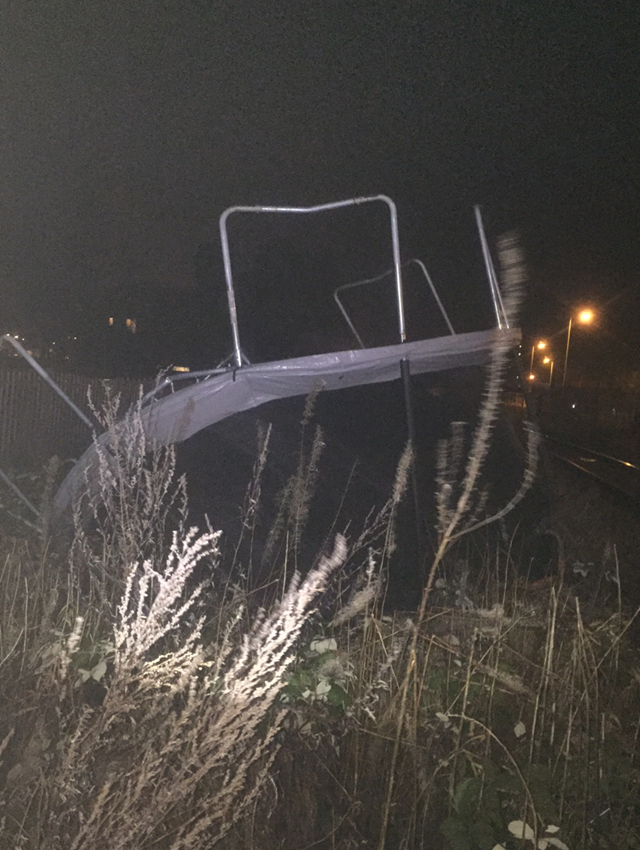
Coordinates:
[110,322]
[131,325]
[573,407]
[585,317]
[532,377]
[546,360]
[180,369]
[542,344]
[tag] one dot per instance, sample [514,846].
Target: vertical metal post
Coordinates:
[496,295]
[231,295]
[405,372]
[566,353]
[395,242]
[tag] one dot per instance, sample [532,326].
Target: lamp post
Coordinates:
[584,317]
[549,362]
[540,345]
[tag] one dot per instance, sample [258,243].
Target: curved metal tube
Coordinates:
[224,238]
[375,279]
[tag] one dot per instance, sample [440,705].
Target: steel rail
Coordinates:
[614,472]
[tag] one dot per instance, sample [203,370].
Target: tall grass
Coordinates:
[149,701]
[162,710]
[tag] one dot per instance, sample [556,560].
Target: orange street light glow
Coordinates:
[540,345]
[584,317]
[532,377]
[546,360]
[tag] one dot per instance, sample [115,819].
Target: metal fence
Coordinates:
[582,413]
[36,424]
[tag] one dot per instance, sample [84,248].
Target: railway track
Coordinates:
[614,472]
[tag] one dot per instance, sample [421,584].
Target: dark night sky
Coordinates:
[127,127]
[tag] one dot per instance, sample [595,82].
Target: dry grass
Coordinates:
[160,733]
[511,708]
[148,701]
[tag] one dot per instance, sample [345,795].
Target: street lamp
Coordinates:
[584,317]
[541,345]
[549,362]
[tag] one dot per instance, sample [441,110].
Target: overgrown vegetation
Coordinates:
[154,698]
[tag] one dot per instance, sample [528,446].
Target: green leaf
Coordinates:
[315,662]
[456,834]
[521,830]
[491,805]
[484,834]
[466,797]
[508,783]
[338,697]
[303,679]
[540,784]
[322,688]
[99,670]
[435,679]
[326,646]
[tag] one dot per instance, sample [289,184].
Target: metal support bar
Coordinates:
[496,295]
[405,373]
[233,312]
[46,377]
[18,492]
[19,518]
[566,353]
[343,309]
[375,279]
[434,292]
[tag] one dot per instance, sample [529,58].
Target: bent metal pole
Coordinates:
[224,238]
